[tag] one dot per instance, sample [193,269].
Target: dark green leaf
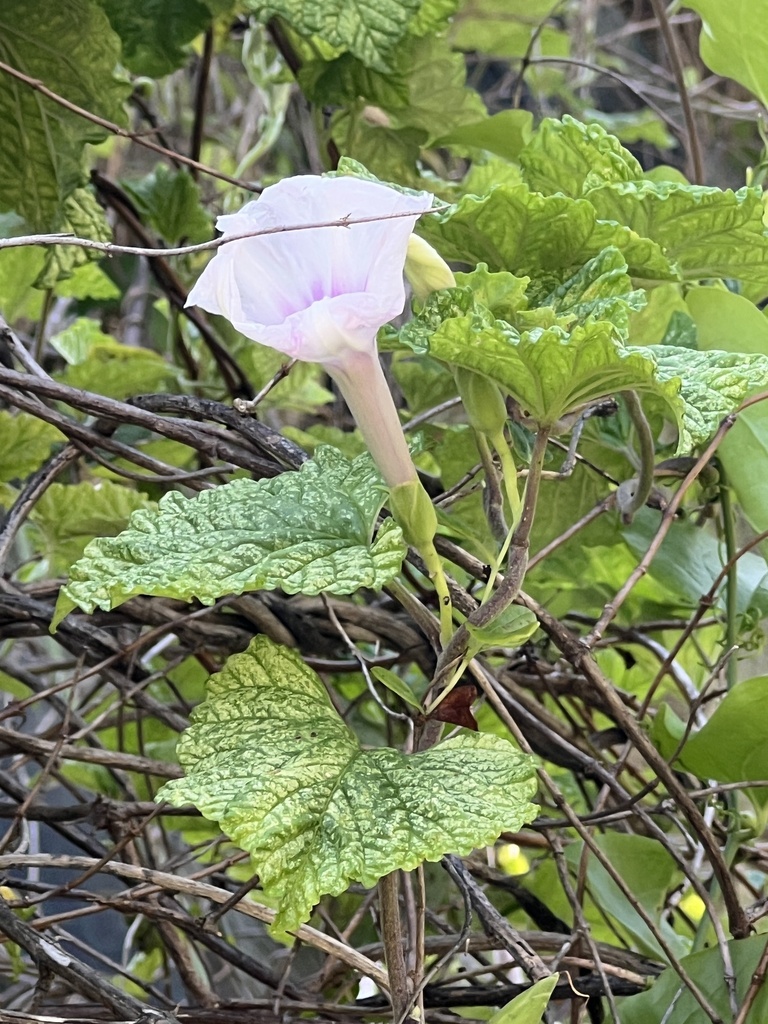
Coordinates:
[733,745]
[74,52]
[153,32]
[669,999]
[170,200]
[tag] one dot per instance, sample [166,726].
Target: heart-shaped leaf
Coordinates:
[269,758]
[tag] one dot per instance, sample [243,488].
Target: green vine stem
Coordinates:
[644,484]
[509,588]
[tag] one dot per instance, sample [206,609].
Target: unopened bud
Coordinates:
[483,402]
[426,269]
[414,513]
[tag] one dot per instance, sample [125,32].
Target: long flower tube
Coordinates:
[321,295]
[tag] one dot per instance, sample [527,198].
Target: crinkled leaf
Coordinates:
[304,532]
[502,293]
[74,51]
[550,372]
[68,516]
[706,232]
[512,228]
[170,200]
[368,29]
[731,322]
[153,32]
[570,157]
[734,41]
[601,290]
[712,384]
[25,443]
[99,363]
[82,216]
[431,16]
[269,758]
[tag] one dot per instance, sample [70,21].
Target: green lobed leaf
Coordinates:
[25,443]
[706,232]
[153,32]
[601,290]
[269,758]
[83,216]
[67,516]
[733,745]
[570,157]
[555,370]
[712,385]
[513,228]
[731,322]
[502,293]
[96,362]
[74,52]
[550,372]
[368,29]
[305,532]
[734,41]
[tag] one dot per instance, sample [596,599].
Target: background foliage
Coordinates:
[602,181]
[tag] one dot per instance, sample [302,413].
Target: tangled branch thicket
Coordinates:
[116,907]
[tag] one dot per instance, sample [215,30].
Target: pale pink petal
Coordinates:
[268,285]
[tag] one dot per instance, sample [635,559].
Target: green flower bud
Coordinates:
[483,401]
[414,513]
[426,269]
